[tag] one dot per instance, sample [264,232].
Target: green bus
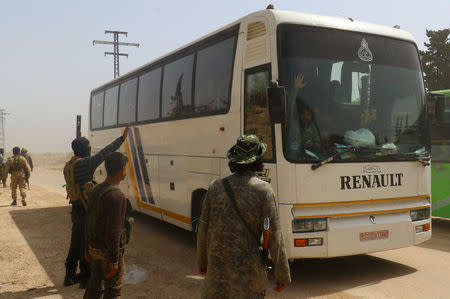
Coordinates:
[440,148]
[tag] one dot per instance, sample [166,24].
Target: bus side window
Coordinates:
[148,95]
[127,101]
[256,113]
[177,87]
[110,107]
[97,110]
[213,76]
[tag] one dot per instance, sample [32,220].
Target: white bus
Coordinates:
[354,179]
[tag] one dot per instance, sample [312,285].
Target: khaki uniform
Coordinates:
[29,160]
[226,248]
[2,168]
[18,167]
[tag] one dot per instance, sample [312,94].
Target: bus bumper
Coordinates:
[359,235]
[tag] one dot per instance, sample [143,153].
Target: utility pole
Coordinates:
[116,44]
[3,114]
[78,132]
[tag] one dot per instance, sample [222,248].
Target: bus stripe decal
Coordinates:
[136,167]
[361,213]
[361,201]
[131,171]
[143,165]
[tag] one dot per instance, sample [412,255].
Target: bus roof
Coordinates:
[348,24]
[444,92]
[279,17]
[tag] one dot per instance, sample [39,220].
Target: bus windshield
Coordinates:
[349,90]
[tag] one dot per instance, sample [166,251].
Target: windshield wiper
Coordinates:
[333,157]
[425,161]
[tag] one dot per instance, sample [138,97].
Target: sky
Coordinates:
[48,65]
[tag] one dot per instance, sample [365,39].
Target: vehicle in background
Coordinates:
[440,149]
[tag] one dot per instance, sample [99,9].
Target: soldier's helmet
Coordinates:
[247,150]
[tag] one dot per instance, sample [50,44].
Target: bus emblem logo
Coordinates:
[372,219]
[364,52]
[371,169]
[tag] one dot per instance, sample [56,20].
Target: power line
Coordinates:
[3,114]
[116,44]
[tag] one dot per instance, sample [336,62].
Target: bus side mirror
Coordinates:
[276,96]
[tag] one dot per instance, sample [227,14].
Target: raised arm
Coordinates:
[85,168]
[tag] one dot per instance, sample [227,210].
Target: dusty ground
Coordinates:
[34,241]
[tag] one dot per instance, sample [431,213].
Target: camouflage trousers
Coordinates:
[3,178]
[18,180]
[113,285]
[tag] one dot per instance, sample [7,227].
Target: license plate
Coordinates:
[378,235]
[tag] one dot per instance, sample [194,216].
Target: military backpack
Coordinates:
[18,164]
[76,192]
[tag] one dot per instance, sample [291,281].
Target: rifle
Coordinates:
[265,244]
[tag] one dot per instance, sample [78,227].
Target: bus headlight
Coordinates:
[419,214]
[309,225]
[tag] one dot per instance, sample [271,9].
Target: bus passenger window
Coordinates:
[97,110]
[148,95]
[177,87]
[127,101]
[110,111]
[213,76]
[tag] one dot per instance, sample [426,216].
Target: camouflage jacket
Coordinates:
[226,248]
[17,164]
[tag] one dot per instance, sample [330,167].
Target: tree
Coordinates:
[436,60]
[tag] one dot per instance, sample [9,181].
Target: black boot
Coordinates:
[70,277]
[83,279]
[14,203]
[83,283]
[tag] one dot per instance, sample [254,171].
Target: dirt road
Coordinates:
[34,241]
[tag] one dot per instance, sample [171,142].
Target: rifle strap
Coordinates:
[230,194]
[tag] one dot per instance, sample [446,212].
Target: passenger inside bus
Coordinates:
[310,137]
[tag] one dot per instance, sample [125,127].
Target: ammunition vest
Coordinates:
[17,164]
[76,192]
[94,230]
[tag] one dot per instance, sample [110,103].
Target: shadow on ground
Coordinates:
[165,251]
[440,238]
[47,233]
[36,293]
[168,255]
[320,277]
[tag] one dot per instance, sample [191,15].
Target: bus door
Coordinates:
[256,118]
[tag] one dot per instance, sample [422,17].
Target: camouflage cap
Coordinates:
[247,150]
